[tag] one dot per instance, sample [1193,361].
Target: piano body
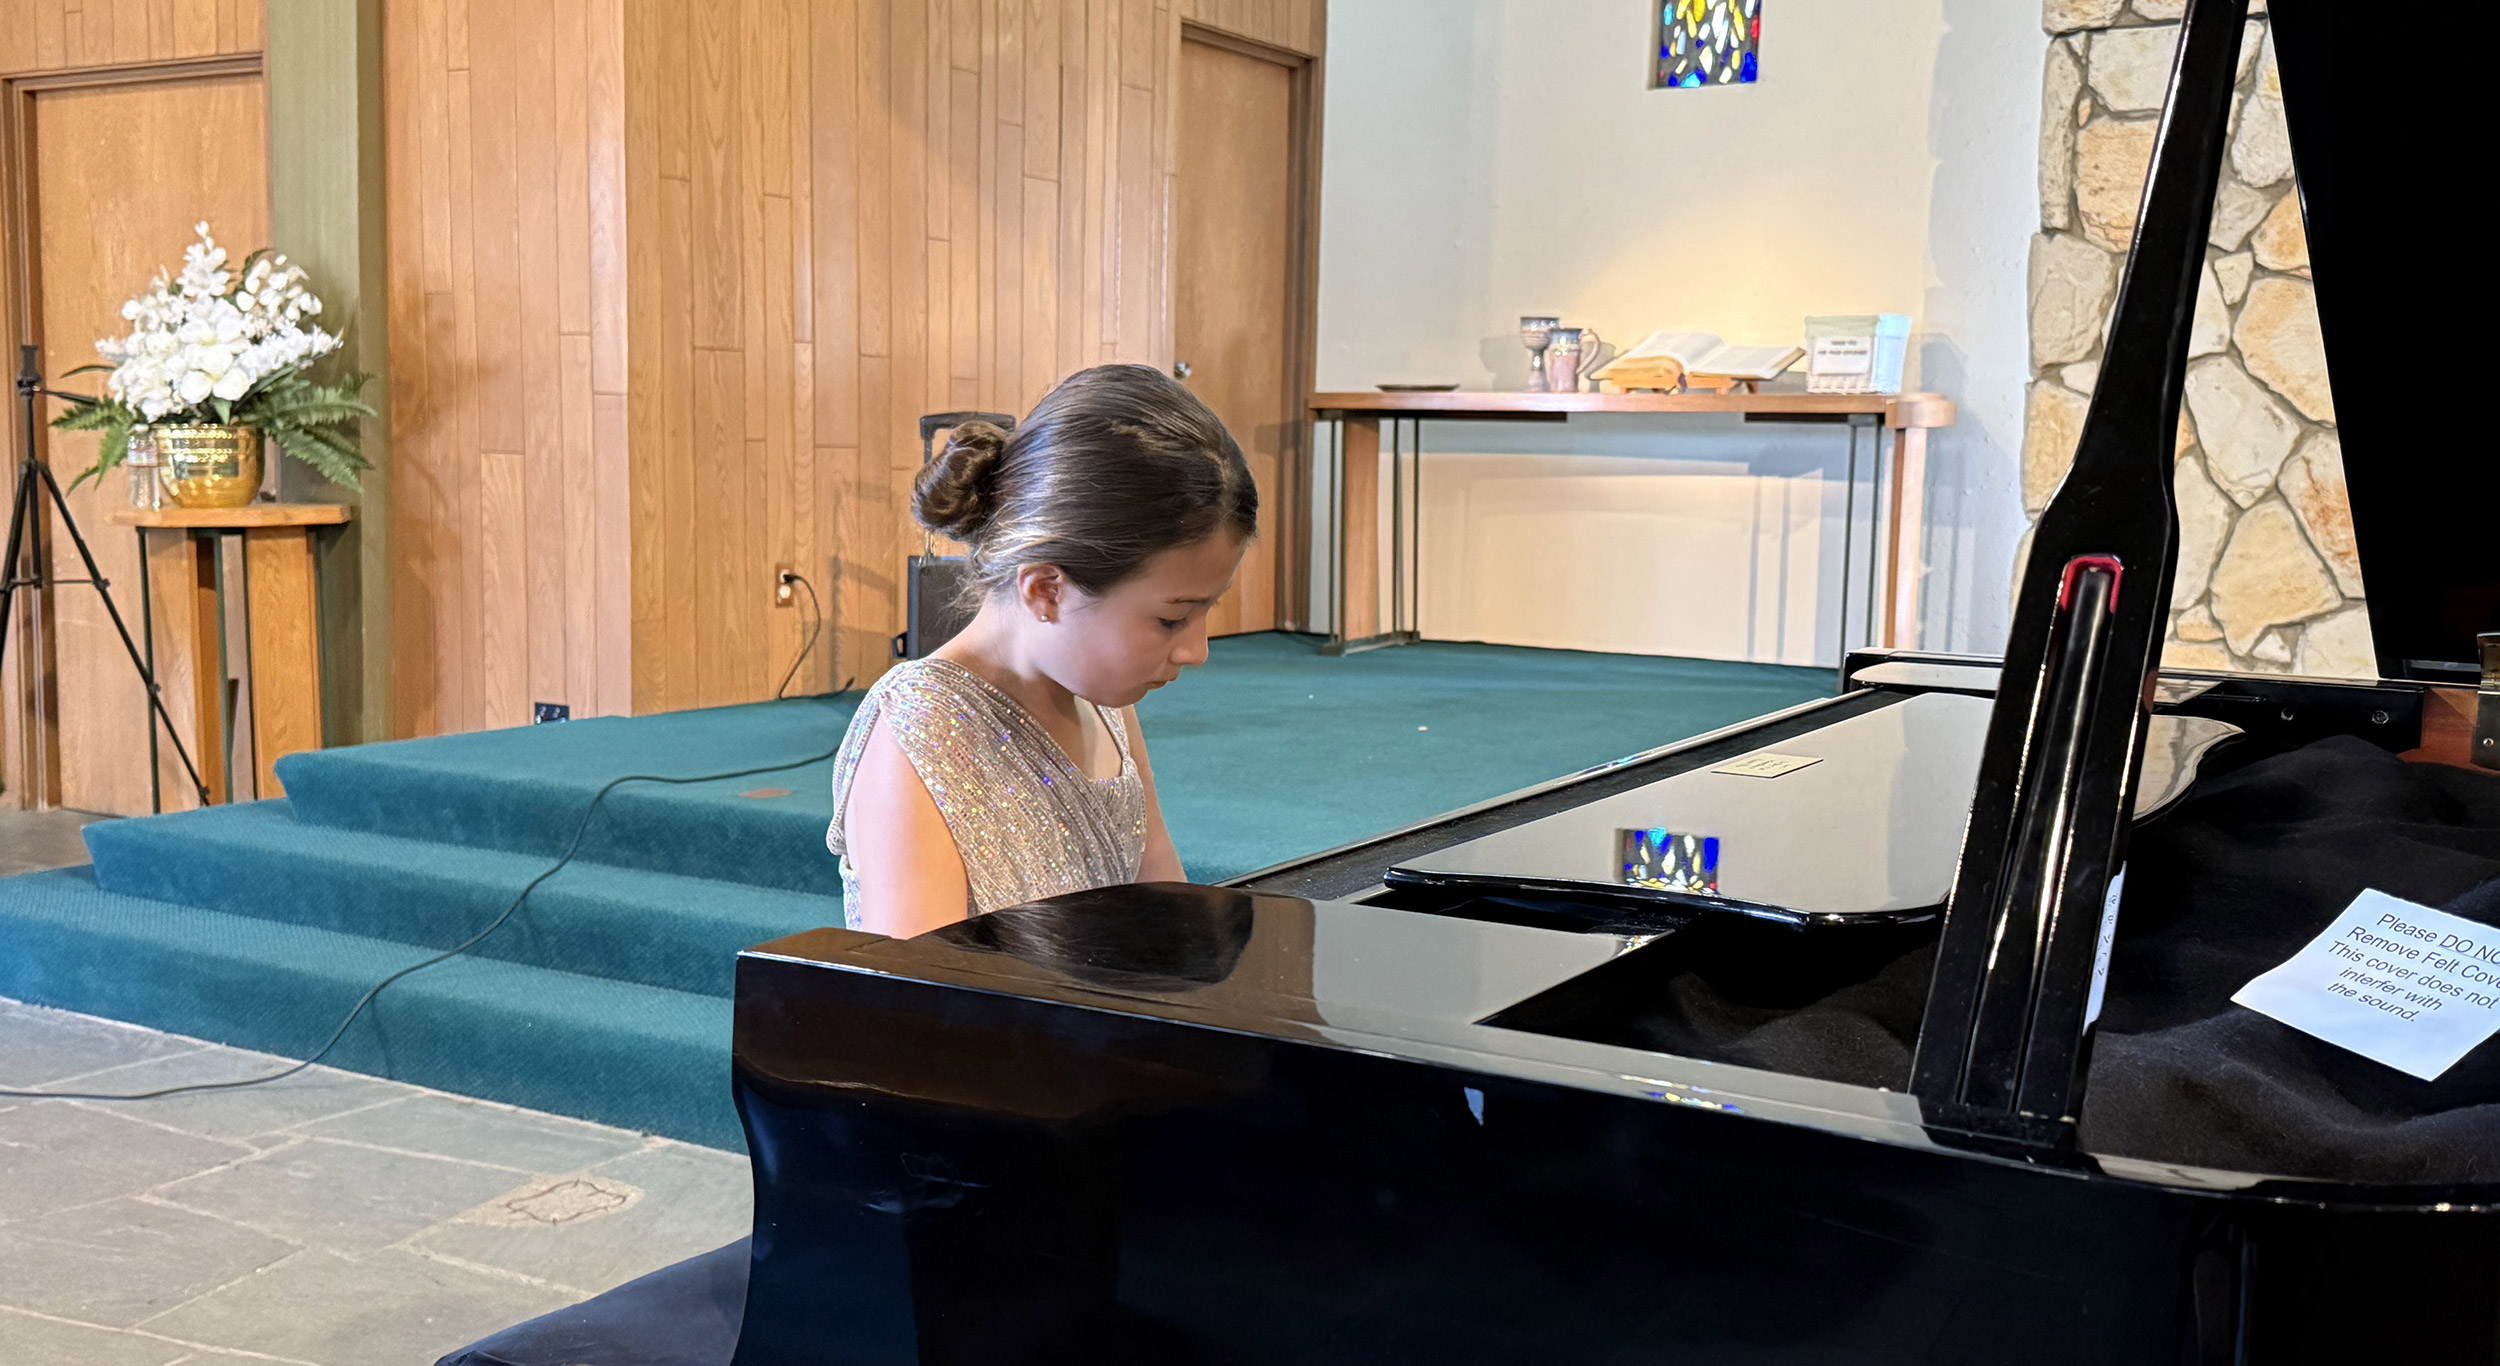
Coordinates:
[1586,1074]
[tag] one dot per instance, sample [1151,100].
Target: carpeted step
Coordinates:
[524,790]
[629,924]
[615,1052]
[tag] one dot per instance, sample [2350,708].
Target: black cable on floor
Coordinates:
[572,846]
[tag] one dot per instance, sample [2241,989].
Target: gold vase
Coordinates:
[208,465]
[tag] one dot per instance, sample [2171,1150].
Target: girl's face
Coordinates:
[1141,632]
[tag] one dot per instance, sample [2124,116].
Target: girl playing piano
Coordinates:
[1008,765]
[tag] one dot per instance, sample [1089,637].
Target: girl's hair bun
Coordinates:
[957,494]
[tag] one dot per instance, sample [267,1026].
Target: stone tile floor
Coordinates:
[34,840]
[331,1219]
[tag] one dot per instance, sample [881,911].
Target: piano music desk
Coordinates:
[1354,474]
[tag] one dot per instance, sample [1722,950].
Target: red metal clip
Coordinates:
[2066,586]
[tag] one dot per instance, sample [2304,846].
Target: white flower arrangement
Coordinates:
[224,346]
[198,336]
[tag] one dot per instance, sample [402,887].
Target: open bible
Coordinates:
[1696,360]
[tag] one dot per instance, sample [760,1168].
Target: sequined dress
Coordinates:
[1028,822]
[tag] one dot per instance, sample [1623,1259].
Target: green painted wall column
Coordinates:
[324,62]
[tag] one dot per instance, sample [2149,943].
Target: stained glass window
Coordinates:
[1708,42]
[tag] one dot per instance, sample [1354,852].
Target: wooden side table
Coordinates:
[282,631]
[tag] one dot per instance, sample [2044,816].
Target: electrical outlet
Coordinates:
[551,711]
[785,592]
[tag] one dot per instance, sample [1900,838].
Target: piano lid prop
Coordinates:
[2004,1044]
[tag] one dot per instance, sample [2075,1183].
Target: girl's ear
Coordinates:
[1042,591]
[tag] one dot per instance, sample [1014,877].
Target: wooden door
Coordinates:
[1235,233]
[113,177]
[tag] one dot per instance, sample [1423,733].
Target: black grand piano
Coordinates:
[1834,1037]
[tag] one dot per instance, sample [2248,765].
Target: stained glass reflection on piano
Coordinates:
[1668,861]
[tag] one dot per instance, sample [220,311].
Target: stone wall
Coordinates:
[2268,580]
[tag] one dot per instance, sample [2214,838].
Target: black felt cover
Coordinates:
[2234,880]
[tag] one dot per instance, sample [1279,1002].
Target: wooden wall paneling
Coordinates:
[782,498]
[612,477]
[998,332]
[1071,166]
[907,385]
[541,515]
[644,398]
[286,649]
[460,464]
[194,27]
[969,145]
[1002,210]
[1038,236]
[715,250]
[825,117]
[1098,82]
[577,305]
[508,259]
[855,210]
[879,208]
[853,92]
[790,324]
[417,144]
[495,496]
[848,178]
[1165,177]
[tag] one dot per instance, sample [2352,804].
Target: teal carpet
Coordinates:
[607,995]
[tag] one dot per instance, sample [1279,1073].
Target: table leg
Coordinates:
[1397,527]
[147,644]
[1909,517]
[1357,551]
[1876,549]
[1414,624]
[1360,614]
[1848,540]
[281,612]
[208,659]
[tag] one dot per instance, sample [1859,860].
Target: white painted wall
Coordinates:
[1488,158]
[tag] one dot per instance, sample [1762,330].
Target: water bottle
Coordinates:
[145,491]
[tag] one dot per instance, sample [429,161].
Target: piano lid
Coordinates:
[1859,821]
[2400,336]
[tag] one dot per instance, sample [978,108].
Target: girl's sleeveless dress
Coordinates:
[1028,822]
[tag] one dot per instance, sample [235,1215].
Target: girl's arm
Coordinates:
[911,878]
[1162,862]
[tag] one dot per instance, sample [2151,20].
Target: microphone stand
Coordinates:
[34,484]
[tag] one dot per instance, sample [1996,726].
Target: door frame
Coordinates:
[30,767]
[1294,473]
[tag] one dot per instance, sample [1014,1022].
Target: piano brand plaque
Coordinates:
[1767,765]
